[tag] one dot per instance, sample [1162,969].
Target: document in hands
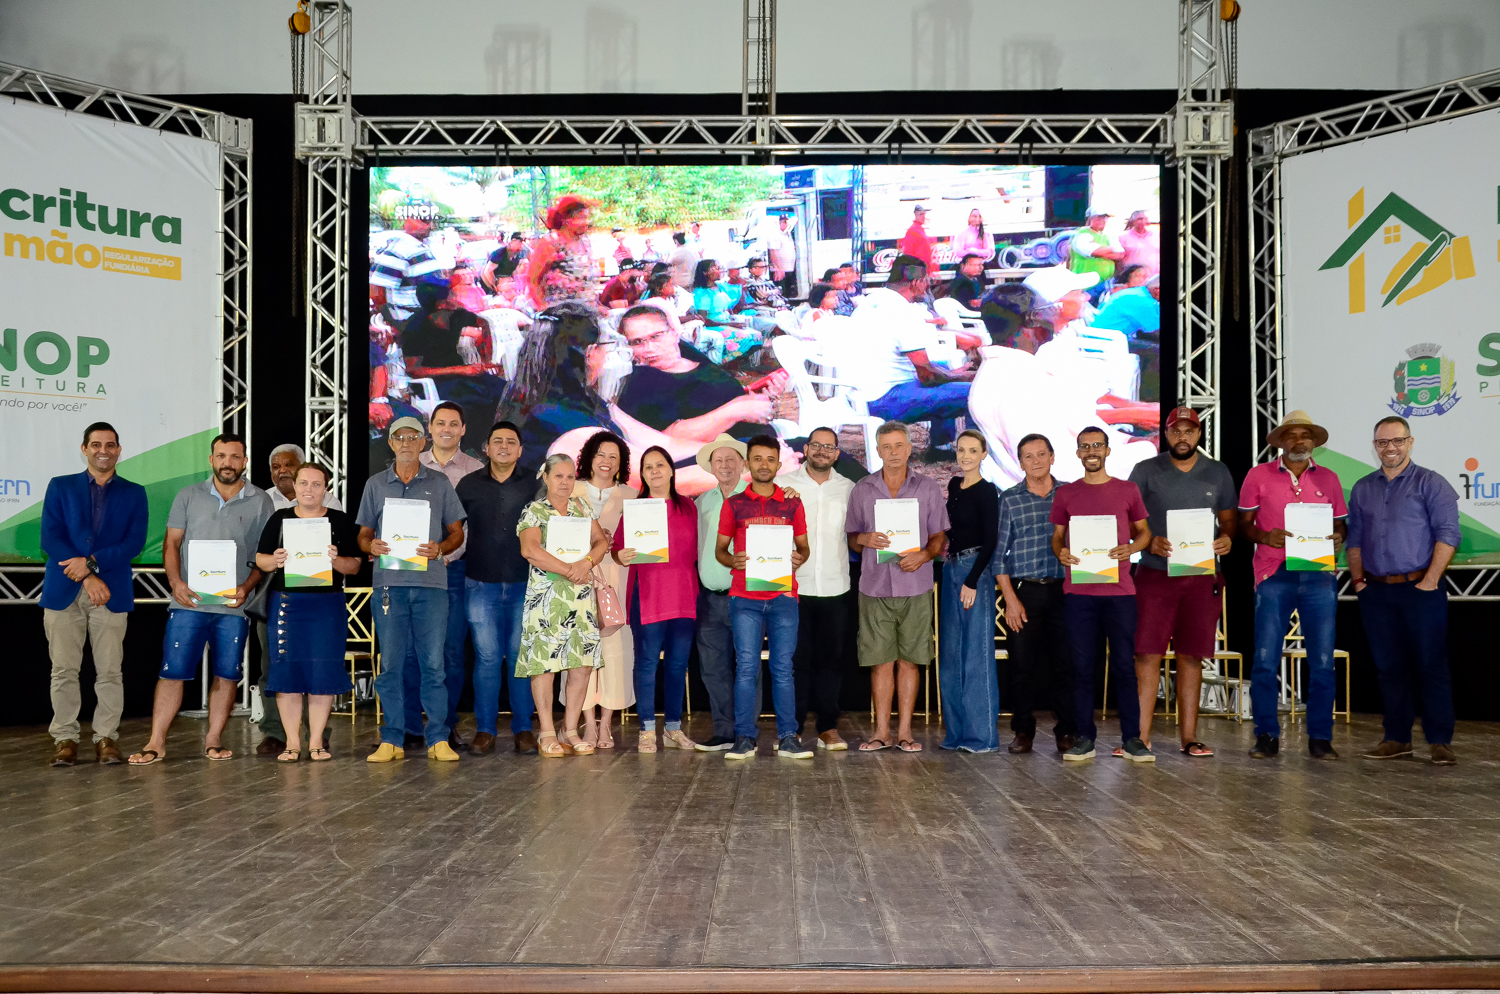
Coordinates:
[646,529]
[1090,537]
[768,558]
[898,520]
[1191,532]
[403,526]
[306,541]
[568,538]
[1308,547]
[212,570]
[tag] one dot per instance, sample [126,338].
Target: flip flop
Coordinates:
[320,755]
[1197,750]
[873,745]
[155,757]
[209,752]
[287,756]
[907,745]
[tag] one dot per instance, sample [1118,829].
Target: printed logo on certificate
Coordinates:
[568,538]
[403,526]
[212,572]
[1308,547]
[1191,532]
[646,529]
[1090,537]
[899,520]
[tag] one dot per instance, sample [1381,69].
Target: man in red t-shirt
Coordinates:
[916,242]
[761,609]
[1098,610]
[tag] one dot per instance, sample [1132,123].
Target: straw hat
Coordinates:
[1320,434]
[722,442]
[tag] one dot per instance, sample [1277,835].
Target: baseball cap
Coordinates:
[629,264]
[406,422]
[1096,211]
[1055,282]
[1182,414]
[921,209]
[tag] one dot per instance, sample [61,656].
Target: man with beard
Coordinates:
[1267,490]
[224,508]
[1182,611]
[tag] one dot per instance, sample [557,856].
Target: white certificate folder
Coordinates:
[899,520]
[1090,537]
[568,538]
[1191,532]
[1308,547]
[403,526]
[213,572]
[646,529]
[306,541]
[768,563]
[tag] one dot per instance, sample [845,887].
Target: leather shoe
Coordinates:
[1266,746]
[526,743]
[107,753]
[1443,755]
[1066,742]
[1389,750]
[414,742]
[1321,749]
[483,744]
[1019,744]
[457,744]
[270,746]
[66,753]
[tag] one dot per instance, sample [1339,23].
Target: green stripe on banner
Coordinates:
[163,471]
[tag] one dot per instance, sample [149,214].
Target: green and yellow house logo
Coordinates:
[1436,255]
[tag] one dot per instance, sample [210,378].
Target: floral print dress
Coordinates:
[559,626]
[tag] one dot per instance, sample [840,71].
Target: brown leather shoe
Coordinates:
[526,743]
[271,746]
[1443,755]
[107,753]
[483,744]
[1389,750]
[1019,744]
[832,741]
[1066,742]
[65,754]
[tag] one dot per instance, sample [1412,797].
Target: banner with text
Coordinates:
[1391,249]
[109,308]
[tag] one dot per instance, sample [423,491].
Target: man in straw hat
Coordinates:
[1312,593]
[724,458]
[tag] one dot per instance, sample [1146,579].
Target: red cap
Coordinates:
[1183,414]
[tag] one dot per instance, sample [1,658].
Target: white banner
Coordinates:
[109,308]
[1390,249]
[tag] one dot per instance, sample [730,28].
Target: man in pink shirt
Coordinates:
[1264,496]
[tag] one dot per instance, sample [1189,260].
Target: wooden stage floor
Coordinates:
[684,860]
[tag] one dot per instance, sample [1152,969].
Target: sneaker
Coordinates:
[791,747]
[676,739]
[1443,755]
[718,743]
[832,741]
[1138,752]
[1082,749]
[1321,749]
[744,748]
[1389,750]
[1266,746]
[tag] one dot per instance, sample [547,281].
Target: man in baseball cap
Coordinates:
[1178,603]
[1092,251]
[915,242]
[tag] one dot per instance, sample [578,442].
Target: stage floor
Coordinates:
[684,860]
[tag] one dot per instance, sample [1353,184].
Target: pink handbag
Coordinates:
[610,613]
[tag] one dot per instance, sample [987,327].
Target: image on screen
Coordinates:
[670,304]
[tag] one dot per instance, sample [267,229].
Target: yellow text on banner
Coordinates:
[163,267]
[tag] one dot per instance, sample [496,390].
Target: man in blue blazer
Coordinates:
[93,525]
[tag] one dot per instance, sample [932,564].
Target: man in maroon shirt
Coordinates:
[754,614]
[625,289]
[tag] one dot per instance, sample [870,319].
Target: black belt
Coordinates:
[1039,579]
[1412,577]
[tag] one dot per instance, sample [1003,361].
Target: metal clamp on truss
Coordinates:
[325,131]
[1203,129]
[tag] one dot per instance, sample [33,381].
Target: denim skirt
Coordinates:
[307,644]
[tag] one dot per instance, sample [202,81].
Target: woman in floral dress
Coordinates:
[562,267]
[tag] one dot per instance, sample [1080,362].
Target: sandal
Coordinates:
[605,740]
[209,752]
[548,747]
[288,755]
[577,747]
[873,745]
[1197,750]
[320,755]
[155,757]
[647,742]
[907,745]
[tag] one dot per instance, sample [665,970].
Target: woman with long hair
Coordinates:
[662,601]
[974,239]
[562,267]
[603,469]
[558,373]
[560,624]
[966,675]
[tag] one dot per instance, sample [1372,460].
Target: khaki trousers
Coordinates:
[67,630]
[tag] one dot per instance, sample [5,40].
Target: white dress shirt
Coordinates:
[826,572]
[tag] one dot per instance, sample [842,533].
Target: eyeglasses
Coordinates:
[1092,446]
[822,447]
[1392,443]
[652,339]
[404,439]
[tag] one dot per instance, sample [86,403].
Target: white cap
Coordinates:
[1054,282]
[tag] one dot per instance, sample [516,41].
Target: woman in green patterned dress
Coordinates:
[560,630]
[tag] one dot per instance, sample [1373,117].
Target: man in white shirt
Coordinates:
[683,261]
[781,248]
[285,461]
[822,586]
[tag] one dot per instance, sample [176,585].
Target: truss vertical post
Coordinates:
[758,79]
[1267,395]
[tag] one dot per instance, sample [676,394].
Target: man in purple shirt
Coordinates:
[1403,531]
[895,597]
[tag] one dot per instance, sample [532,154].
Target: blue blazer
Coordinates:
[68,519]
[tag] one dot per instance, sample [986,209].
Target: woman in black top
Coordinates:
[307,622]
[966,675]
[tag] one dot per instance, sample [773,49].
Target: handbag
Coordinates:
[607,605]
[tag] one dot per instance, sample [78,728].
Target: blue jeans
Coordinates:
[1093,619]
[675,636]
[410,623]
[911,401]
[453,657]
[189,631]
[751,619]
[967,679]
[1408,633]
[494,613]
[1315,598]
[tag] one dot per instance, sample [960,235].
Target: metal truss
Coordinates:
[233,135]
[1269,146]
[758,86]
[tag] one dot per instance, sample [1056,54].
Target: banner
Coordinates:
[109,308]
[1390,248]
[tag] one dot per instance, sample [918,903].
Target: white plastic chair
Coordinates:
[507,329]
[424,395]
[813,411]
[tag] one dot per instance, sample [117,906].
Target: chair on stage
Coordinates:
[1293,654]
[360,653]
[1228,693]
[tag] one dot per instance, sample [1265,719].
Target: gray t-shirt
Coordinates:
[203,515]
[1165,488]
[444,509]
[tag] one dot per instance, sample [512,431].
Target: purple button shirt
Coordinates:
[1394,523]
[878,579]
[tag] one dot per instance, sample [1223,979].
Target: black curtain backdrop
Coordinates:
[279,343]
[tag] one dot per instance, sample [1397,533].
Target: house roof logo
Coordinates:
[1435,258]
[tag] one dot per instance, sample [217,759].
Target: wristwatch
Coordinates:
[93,565]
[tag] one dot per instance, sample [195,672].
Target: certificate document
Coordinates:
[768,563]
[403,526]
[898,520]
[306,541]
[1308,547]
[212,570]
[1090,537]
[646,529]
[568,538]
[1191,532]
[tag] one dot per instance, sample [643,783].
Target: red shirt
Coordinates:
[750,508]
[1118,497]
[917,245]
[1269,488]
[618,289]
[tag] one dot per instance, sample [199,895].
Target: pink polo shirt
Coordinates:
[1270,487]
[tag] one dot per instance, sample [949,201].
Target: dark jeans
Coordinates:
[1093,620]
[1408,633]
[453,657]
[715,640]
[494,611]
[410,623]
[775,620]
[818,663]
[1041,643]
[672,638]
[966,670]
[1314,596]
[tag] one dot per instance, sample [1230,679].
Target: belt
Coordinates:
[716,593]
[1411,577]
[1039,579]
[964,552]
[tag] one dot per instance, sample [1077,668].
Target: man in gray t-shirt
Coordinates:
[1179,611]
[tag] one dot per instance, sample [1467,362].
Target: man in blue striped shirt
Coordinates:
[1031,580]
[401,263]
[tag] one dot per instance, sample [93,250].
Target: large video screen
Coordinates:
[669,304]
